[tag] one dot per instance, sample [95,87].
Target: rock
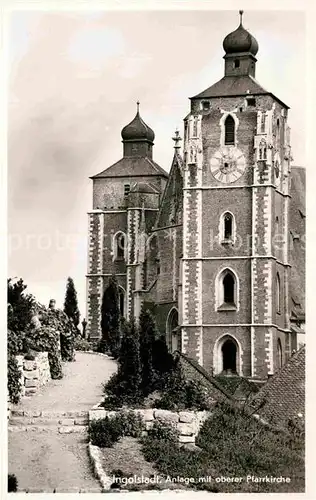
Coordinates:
[32,374]
[32,414]
[67,421]
[186,439]
[81,421]
[30,392]
[166,416]
[185,429]
[97,414]
[186,416]
[146,414]
[69,429]
[31,382]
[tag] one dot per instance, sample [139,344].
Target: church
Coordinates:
[215,247]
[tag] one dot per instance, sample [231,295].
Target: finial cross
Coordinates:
[176,139]
[138,103]
[241,14]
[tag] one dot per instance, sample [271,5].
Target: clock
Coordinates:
[277,169]
[228,164]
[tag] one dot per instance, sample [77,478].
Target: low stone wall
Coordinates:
[34,373]
[188,423]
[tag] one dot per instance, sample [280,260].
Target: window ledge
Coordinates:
[227,242]
[227,307]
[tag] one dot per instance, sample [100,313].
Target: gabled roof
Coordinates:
[172,197]
[235,86]
[132,166]
[283,394]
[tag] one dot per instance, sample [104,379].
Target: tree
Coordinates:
[71,303]
[129,372]
[110,318]
[147,334]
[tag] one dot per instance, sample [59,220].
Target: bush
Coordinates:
[81,344]
[47,339]
[12,483]
[104,432]
[14,376]
[180,394]
[130,423]
[164,432]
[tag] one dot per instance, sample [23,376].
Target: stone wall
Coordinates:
[188,423]
[34,373]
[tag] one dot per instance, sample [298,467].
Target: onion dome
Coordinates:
[240,40]
[137,130]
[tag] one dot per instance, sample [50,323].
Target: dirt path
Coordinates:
[44,460]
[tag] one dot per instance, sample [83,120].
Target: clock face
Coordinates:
[228,164]
[277,170]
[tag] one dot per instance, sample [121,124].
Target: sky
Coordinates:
[74,79]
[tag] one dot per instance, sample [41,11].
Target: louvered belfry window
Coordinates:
[229,130]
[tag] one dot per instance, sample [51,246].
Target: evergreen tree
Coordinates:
[147,333]
[162,359]
[129,372]
[71,303]
[110,318]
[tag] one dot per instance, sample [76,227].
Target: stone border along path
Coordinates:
[47,441]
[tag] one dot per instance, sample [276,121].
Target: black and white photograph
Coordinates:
[156,242]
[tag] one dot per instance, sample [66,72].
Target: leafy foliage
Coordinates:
[12,483]
[81,344]
[110,318]
[20,309]
[147,334]
[107,431]
[71,303]
[14,375]
[180,393]
[125,384]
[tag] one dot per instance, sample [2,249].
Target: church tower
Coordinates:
[235,265]
[126,199]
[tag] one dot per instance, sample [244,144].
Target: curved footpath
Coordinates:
[43,459]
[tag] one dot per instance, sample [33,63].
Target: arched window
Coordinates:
[227,228]
[229,130]
[262,150]
[173,338]
[122,300]
[263,123]
[229,353]
[278,293]
[119,246]
[227,356]
[279,354]
[227,290]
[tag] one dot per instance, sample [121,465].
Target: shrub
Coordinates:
[12,483]
[81,344]
[47,339]
[147,335]
[14,376]
[130,423]
[110,318]
[71,303]
[104,432]
[163,432]
[180,393]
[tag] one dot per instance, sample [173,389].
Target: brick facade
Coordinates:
[176,258]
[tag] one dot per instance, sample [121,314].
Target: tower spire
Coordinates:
[241,14]
[138,103]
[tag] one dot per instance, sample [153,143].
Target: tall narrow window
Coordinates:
[229,130]
[195,128]
[279,354]
[229,289]
[127,189]
[228,226]
[236,63]
[119,246]
[226,291]
[263,123]
[278,293]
